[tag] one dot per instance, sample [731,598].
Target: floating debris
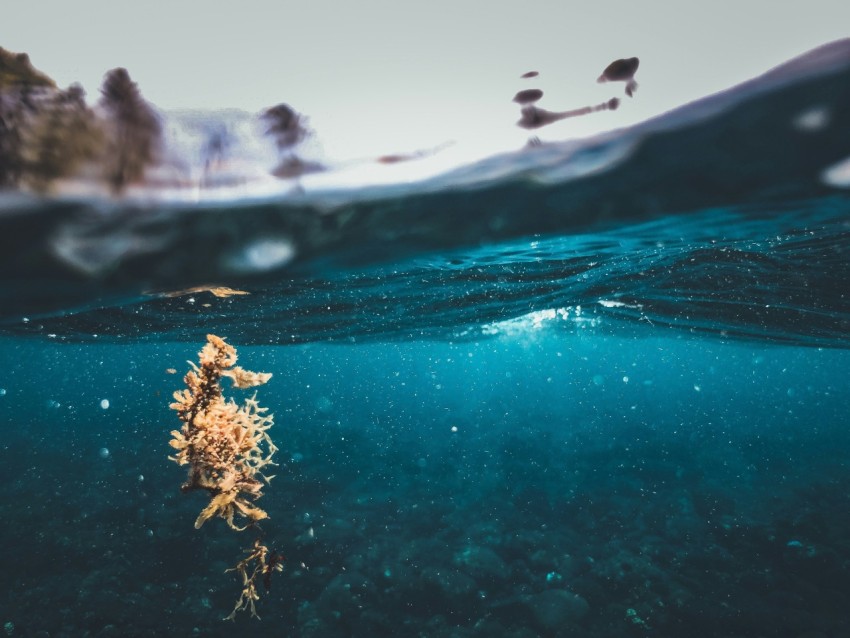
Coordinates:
[535,117]
[396,158]
[622,70]
[528,96]
[294,166]
[218,291]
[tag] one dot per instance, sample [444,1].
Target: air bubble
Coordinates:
[262,255]
[812,120]
[838,175]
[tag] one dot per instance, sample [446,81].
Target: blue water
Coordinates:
[585,389]
[700,483]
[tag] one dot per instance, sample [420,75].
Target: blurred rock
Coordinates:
[554,608]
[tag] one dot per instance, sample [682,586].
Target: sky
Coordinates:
[381,77]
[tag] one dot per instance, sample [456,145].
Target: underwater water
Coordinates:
[595,388]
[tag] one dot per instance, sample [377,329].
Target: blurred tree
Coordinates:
[62,134]
[11,164]
[289,128]
[286,126]
[134,133]
[19,80]
[16,70]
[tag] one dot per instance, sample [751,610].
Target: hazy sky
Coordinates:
[379,77]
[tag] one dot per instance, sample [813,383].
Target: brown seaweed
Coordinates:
[227,448]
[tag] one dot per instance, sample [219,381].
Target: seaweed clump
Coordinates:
[226,447]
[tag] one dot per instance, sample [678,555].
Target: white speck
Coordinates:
[103,453]
[2,392]
[104,404]
[454,428]
[26,319]
[812,120]
[141,478]
[698,388]
[149,533]
[625,379]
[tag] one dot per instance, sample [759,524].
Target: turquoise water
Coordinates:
[585,389]
[444,488]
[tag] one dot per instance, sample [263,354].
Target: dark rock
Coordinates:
[554,608]
[449,581]
[481,563]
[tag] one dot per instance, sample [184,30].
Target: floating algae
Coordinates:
[226,446]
